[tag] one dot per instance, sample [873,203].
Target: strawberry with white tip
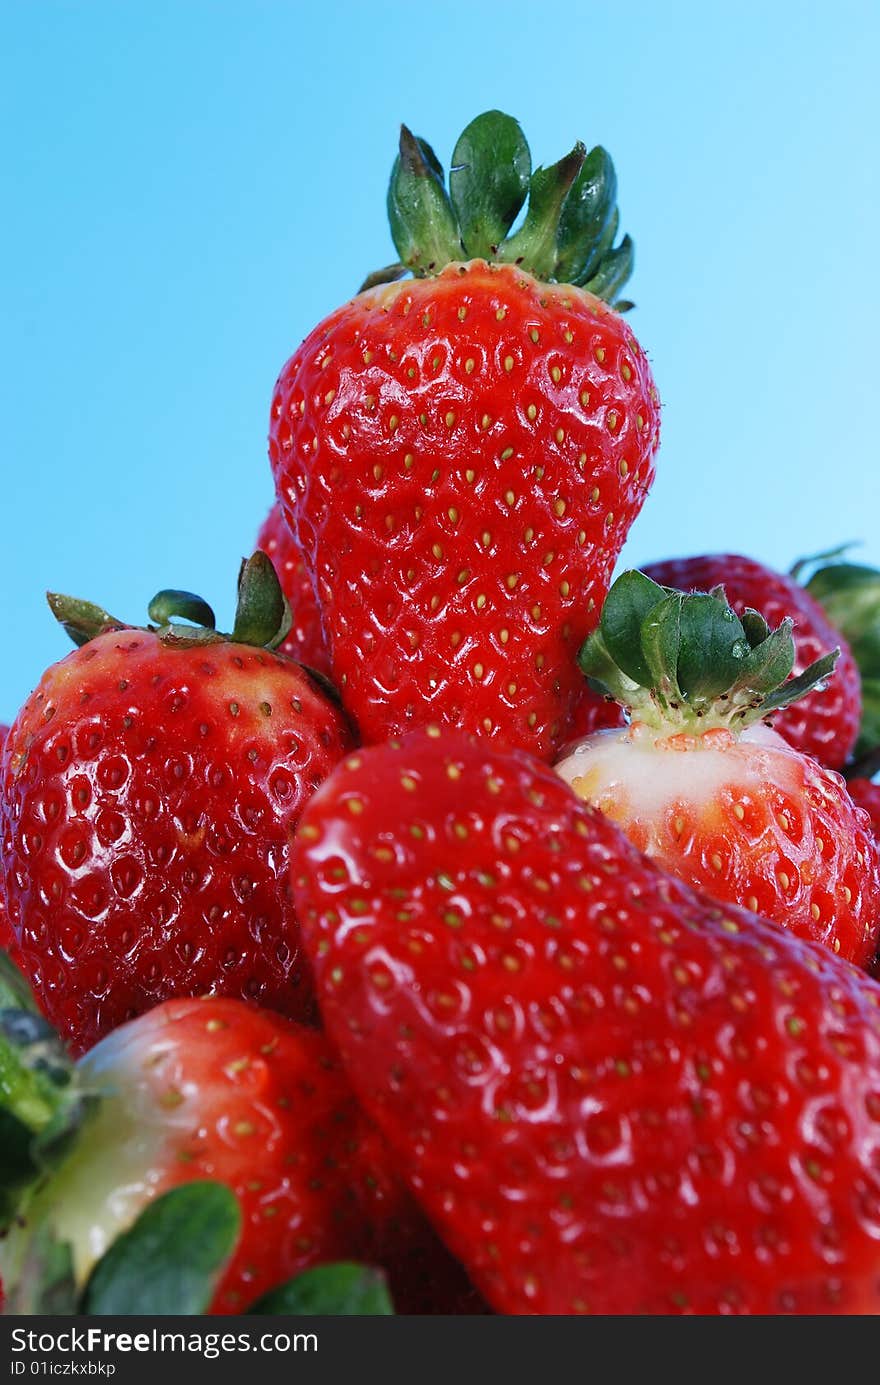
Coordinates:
[700,782]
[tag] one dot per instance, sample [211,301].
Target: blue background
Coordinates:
[191,186]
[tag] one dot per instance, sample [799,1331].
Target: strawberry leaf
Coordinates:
[488,181]
[262,616]
[169,1261]
[329,1290]
[41,1106]
[45,1282]
[423,226]
[713,648]
[805,682]
[587,218]
[626,606]
[170,604]
[534,244]
[661,638]
[82,620]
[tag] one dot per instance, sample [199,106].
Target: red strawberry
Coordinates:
[824,725]
[460,456]
[305,639]
[866,794]
[610,1095]
[698,783]
[151,785]
[217,1089]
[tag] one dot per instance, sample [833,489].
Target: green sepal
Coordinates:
[587,217]
[685,660]
[41,1105]
[817,674]
[46,1280]
[570,225]
[423,225]
[629,601]
[262,616]
[612,274]
[534,244]
[170,1260]
[336,1290]
[768,662]
[755,627]
[389,275]
[82,620]
[169,605]
[712,650]
[660,636]
[488,181]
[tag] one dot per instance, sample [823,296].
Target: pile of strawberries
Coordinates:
[461,911]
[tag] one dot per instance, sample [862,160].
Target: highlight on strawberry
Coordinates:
[194,1161]
[150,786]
[699,781]
[459,455]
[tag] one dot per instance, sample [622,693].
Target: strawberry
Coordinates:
[305,639]
[610,1095]
[460,455]
[151,785]
[213,1089]
[699,783]
[822,724]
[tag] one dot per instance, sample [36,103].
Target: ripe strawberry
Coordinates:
[218,1089]
[822,724]
[697,782]
[610,1095]
[151,785]
[305,639]
[460,456]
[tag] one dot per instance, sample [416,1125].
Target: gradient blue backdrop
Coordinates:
[192,185]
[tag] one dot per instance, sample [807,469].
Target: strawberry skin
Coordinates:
[745,820]
[460,459]
[217,1089]
[149,794]
[610,1095]
[305,639]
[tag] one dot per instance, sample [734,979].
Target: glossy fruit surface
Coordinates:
[216,1089]
[305,640]
[149,794]
[460,459]
[610,1095]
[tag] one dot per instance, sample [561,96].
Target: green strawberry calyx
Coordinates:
[568,230]
[262,617]
[850,595]
[685,662]
[169,1253]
